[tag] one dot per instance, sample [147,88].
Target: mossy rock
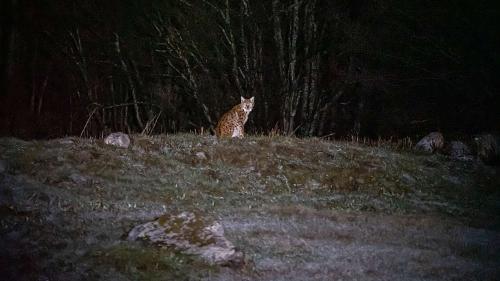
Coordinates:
[190,233]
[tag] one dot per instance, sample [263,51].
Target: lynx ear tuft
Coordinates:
[242,99]
[251,99]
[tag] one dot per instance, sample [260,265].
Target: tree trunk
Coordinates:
[293,94]
[7,33]
[232,44]
[128,74]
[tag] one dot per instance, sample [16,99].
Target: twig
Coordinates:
[149,128]
[88,120]
[326,136]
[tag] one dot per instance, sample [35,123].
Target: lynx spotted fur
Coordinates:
[232,123]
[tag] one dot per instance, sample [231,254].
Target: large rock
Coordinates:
[431,143]
[459,151]
[118,139]
[191,234]
[488,148]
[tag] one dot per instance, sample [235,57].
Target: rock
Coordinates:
[118,139]
[431,143]
[201,155]
[488,148]
[191,234]
[406,178]
[78,179]
[454,180]
[459,151]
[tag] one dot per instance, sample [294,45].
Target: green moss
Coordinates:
[190,229]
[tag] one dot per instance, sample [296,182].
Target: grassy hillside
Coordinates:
[300,209]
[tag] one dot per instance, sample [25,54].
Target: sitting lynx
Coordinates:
[231,124]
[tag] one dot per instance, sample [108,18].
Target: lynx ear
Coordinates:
[251,99]
[242,99]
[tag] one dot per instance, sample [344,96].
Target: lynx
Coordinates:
[232,123]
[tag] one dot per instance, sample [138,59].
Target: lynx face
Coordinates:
[232,123]
[247,104]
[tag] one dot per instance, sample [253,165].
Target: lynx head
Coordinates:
[247,104]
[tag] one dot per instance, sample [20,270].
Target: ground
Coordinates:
[300,209]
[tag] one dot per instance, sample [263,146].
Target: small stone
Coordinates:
[312,184]
[201,155]
[118,139]
[66,141]
[165,150]
[192,234]
[431,143]
[78,179]
[406,178]
[454,180]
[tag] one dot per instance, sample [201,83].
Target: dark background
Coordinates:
[316,67]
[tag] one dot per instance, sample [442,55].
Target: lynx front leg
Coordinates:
[237,132]
[242,132]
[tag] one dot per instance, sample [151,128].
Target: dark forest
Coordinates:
[316,67]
